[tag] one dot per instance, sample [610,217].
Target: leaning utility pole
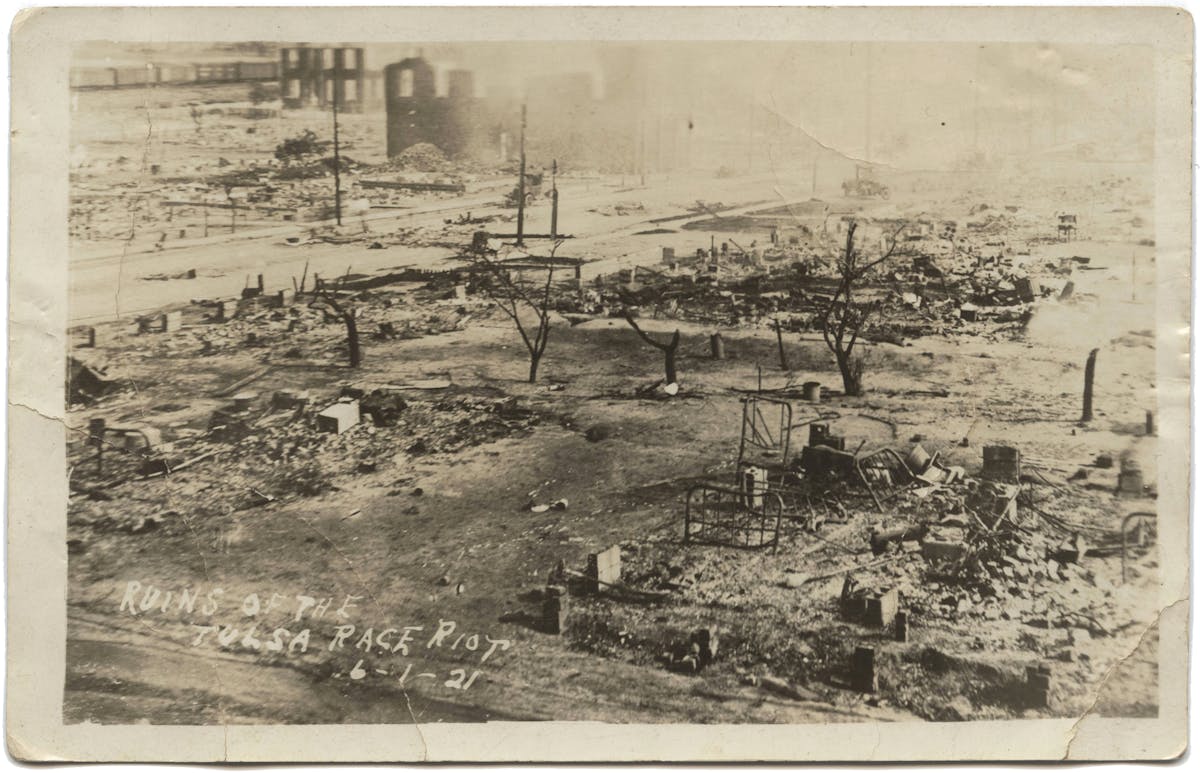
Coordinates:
[337,162]
[521,187]
[554,199]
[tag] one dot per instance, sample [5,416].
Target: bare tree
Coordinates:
[348,314]
[513,293]
[668,349]
[845,317]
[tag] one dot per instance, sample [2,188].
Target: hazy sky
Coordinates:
[909,104]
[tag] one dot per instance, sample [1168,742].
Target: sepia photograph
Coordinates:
[466,380]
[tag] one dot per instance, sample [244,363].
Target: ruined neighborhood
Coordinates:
[623,382]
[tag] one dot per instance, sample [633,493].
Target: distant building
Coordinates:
[310,76]
[416,114]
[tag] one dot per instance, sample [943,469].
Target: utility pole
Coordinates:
[337,161]
[642,147]
[975,105]
[750,135]
[554,199]
[521,187]
[658,143]
[1029,118]
[867,132]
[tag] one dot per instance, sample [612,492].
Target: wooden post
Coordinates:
[554,199]
[718,346]
[1089,373]
[521,187]
[96,429]
[862,675]
[337,159]
[783,363]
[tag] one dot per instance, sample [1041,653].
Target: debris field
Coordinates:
[628,452]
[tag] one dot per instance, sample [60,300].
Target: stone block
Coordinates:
[285,298]
[171,321]
[338,417]
[1026,289]
[753,482]
[554,610]
[881,610]
[226,310]
[604,567]
[938,550]
[1037,684]
[1130,481]
[1001,463]
[862,670]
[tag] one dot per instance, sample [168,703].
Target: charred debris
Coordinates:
[895,547]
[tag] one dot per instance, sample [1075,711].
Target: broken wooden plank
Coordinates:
[235,386]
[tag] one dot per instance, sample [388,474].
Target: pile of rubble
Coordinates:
[421,157]
[899,546]
[257,450]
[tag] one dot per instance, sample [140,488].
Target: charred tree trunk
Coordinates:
[669,355]
[349,316]
[668,349]
[844,319]
[851,374]
[534,359]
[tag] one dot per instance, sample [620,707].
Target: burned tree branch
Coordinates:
[511,296]
[844,318]
[668,349]
[349,317]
